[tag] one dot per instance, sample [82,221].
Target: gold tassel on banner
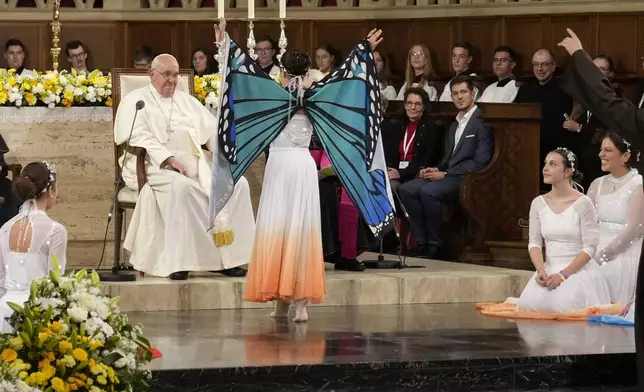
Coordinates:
[224,238]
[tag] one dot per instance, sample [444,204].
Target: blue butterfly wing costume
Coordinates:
[344,109]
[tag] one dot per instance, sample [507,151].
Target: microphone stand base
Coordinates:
[117,275]
[381,264]
[406,266]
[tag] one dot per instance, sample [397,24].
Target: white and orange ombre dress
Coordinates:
[287,261]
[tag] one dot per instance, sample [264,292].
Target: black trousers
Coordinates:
[423,200]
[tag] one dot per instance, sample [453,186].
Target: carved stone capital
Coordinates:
[157,4]
[311,3]
[377,3]
[191,4]
[121,4]
[347,3]
[8,4]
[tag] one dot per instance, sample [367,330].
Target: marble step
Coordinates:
[438,282]
[514,254]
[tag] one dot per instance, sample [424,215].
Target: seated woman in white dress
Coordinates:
[565,221]
[29,241]
[619,201]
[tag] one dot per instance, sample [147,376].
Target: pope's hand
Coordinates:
[172,164]
[571,43]
[220,32]
[375,38]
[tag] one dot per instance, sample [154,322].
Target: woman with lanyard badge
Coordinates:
[413,143]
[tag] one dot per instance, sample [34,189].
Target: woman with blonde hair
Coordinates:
[419,70]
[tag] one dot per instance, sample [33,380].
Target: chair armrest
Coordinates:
[15,169]
[141,175]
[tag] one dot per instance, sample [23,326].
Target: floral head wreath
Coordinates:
[628,150]
[51,168]
[570,156]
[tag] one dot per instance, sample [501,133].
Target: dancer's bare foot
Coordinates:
[301,314]
[281,309]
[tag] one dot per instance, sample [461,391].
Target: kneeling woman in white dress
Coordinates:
[565,221]
[29,241]
[619,202]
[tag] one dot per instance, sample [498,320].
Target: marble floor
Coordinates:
[447,336]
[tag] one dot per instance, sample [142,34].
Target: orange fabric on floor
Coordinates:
[508,310]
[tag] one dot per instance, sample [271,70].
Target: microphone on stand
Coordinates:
[408,219]
[114,275]
[381,263]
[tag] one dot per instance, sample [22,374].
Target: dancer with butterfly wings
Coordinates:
[343,109]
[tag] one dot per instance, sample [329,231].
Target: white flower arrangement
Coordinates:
[70,337]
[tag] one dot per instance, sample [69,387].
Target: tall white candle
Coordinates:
[251,9]
[220,8]
[282,9]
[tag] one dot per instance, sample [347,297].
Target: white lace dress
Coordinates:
[17,270]
[620,211]
[565,235]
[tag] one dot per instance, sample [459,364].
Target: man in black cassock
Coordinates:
[587,85]
[8,203]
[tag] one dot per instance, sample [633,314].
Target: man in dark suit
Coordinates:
[468,147]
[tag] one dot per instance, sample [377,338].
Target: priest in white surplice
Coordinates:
[168,234]
[505,89]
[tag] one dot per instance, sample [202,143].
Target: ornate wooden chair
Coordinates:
[125,80]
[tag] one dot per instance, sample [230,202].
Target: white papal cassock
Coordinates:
[169,228]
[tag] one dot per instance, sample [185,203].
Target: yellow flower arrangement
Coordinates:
[53,88]
[207,89]
[69,337]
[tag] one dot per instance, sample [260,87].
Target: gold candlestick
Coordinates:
[55,29]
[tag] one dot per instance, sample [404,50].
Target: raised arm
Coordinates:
[588,86]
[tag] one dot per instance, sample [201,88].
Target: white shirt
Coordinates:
[388,92]
[446,96]
[504,91]
[27,72]
[462,119]
[430,90]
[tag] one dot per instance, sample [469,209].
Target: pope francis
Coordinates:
[168,234]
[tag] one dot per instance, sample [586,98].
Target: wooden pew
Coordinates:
[495,198]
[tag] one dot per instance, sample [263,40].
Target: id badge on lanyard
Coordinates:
[406,144]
